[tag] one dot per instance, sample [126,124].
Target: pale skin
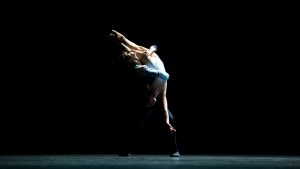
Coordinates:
[143,55]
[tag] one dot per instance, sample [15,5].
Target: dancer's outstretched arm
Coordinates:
[163,97]
[128,43]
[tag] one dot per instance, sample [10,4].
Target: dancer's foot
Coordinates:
[176,154]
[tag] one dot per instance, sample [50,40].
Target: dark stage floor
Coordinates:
[148,161]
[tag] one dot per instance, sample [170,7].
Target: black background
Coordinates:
[232,88]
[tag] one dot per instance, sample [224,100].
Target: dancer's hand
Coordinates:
[172,129]
[114,38]
[118,35]
[151,101]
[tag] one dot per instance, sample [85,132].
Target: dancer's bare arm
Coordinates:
[128,43]
[165,107]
